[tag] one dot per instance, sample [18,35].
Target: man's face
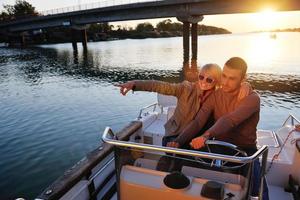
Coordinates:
[231,79]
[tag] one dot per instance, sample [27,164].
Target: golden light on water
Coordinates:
[266,19]
[263,50]
[263,47]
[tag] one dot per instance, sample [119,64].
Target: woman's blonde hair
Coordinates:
[216,71]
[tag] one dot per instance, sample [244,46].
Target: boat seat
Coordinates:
[166,100]
[155,131]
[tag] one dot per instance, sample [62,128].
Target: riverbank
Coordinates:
[64,35]
[107,32]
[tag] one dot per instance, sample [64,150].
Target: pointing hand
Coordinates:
[125,87]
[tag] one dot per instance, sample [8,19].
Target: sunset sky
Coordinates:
[264,20]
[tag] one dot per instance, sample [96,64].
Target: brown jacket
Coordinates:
[235,122]
[188,101]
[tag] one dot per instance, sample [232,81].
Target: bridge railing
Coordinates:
[88,6]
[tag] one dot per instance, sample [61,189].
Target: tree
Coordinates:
[169,26]
[208,30]
[144,27]
[165,25]
[100,27]
[4,16]
[21,9]
[176,26]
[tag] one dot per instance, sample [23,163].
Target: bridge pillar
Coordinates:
[74,45]
[186,42]
[22,41]
[74,40]
[9,41]
[84,38]
[194,42]
[190,71]
[81,31]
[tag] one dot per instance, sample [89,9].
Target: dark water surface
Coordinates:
[54,103]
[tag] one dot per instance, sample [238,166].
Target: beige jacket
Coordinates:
[188,101]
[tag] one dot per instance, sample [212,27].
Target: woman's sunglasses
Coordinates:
[207,79]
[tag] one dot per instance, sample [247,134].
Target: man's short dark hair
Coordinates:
[237,63]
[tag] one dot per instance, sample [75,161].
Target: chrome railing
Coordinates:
[110,138]
[293,120]
[154,105]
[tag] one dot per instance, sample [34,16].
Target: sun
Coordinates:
[266,19]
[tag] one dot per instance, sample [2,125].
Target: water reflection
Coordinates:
[83,65]
[275,82]
[33,74]
[3,73]
[262,47]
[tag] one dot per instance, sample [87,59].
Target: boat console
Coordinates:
[181,174]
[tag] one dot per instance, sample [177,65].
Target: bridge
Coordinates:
[189,12]
[110,11]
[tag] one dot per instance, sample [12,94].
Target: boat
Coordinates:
[132,164]
[273,36]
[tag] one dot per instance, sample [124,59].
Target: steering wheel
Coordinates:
[225,145]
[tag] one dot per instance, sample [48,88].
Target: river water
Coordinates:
[55,103]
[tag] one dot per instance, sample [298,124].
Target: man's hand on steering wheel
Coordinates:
[199,142]
[203,140]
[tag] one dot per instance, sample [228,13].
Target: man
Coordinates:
[236,121]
